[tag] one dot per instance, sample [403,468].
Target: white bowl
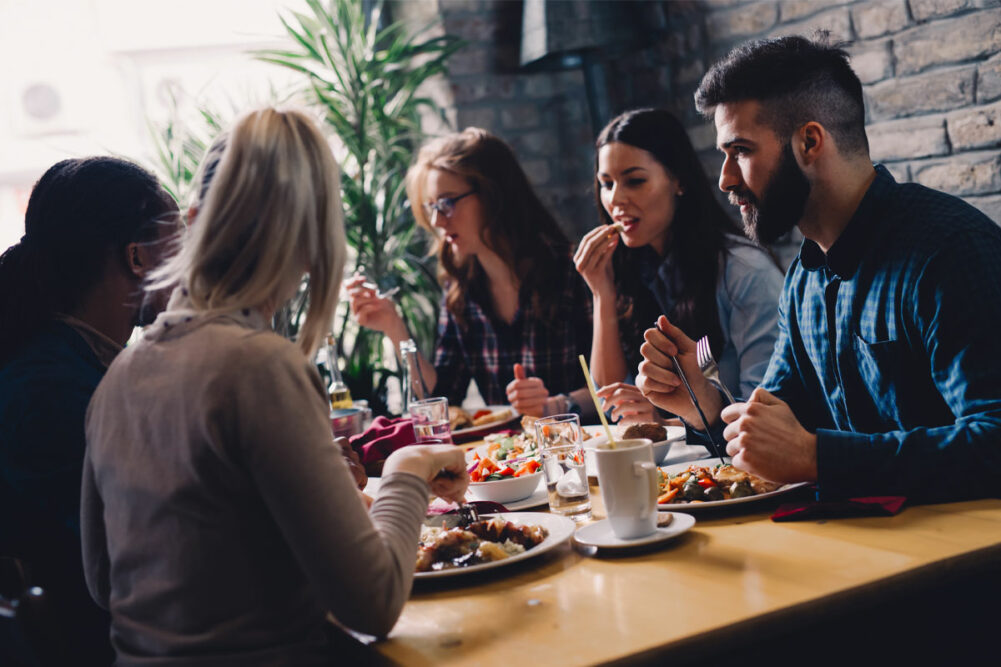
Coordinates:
[660,450]
[506,490]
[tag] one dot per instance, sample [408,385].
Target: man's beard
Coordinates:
[781,205]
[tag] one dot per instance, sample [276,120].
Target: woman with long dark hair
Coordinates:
[665,246]
[514,307]
[71,292]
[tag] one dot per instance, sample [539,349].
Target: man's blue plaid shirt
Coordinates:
[888,348]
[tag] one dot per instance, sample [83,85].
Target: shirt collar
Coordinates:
[845,255]
[103,347]
[181,314]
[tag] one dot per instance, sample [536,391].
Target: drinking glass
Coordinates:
[561,445]
[431,419]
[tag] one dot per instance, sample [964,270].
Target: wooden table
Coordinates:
[730,576]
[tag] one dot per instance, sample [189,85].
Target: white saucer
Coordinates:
[599,533]
[540,497]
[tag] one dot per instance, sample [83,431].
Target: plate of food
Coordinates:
[494,541]
[505,469]
[704,485]
[662,437]
[473,425]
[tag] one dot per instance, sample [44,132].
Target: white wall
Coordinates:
[110,62]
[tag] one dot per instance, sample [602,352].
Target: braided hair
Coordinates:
[80,212]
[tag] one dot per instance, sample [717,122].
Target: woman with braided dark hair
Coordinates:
[70,295]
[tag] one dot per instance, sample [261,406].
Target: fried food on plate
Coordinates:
[493,417]
[458,418]
[651,430]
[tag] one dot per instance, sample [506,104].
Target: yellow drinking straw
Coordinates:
[594,397]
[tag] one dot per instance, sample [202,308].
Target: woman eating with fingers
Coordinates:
[666,246]
[515,313]
[220,521]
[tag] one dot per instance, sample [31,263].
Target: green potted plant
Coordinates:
[366,80]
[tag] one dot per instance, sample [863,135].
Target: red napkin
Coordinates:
[868,506]
[381,439]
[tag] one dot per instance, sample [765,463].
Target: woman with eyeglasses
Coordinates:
[515,313]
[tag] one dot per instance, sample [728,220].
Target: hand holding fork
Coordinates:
[669,362]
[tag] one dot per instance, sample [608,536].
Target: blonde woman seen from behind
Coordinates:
[220,523]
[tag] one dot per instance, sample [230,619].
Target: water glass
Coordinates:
[431,419]
[562,447]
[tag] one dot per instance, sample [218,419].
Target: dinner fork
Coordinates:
[467,512]
[704,355]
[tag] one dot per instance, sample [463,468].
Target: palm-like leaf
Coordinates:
[366,80]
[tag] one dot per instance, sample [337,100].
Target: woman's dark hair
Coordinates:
[79,211]
[517,225]
[696,234]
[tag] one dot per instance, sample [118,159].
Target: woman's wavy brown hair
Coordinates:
[517,225]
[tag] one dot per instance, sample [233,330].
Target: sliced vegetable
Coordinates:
[667,497]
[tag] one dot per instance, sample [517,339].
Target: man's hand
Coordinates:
[527,395]
[662,387]
[765,438]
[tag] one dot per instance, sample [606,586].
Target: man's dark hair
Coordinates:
[79,211]
[796,80]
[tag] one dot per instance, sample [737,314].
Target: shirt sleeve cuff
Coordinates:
[853,464]
[696,436]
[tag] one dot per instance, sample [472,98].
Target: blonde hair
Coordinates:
[271,213]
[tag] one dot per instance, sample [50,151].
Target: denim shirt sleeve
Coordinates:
[784,377]
[955,313]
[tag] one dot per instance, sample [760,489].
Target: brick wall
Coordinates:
[931,71]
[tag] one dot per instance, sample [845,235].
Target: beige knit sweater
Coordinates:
[220,522]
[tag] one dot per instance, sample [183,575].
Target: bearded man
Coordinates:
[885,378]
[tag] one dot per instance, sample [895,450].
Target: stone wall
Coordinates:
[931,71]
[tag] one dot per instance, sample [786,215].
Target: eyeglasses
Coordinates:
[445,205]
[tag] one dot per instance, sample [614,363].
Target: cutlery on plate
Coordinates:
[695,401]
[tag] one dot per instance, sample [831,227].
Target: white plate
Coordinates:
[599,534]
[540,497]
[477,432]
[675,435]
[560,530]
[711,504]
[537,499]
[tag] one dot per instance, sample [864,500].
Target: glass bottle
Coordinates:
[411,377]
[340,395]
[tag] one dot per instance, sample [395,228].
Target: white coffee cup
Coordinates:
[627,477]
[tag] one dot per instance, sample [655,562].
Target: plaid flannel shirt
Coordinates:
[486,350]
[888,348]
